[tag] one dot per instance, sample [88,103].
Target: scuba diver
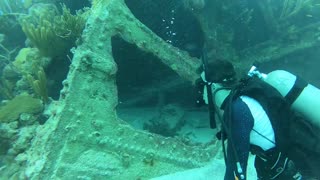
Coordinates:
[256,116]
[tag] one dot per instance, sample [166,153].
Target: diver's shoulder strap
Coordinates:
[235,92]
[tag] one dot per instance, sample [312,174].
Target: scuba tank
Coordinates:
[303,97]
[301,138]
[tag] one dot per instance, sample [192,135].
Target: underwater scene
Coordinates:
[159,89]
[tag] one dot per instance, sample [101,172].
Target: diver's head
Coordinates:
[220,74]
[219,71]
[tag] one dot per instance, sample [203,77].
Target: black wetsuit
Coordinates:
[241,125]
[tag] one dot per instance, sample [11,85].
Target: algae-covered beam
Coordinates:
[276,49]
[133,31]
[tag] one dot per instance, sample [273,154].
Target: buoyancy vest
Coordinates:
[294,136]
[273,104]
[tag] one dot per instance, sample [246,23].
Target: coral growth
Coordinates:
[39,85]
[18,105]
[53,34]
[6,89]
[24,72]
[29,61]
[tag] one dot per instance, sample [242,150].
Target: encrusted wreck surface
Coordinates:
[86,139]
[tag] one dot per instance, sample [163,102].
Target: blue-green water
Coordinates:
[55,64]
